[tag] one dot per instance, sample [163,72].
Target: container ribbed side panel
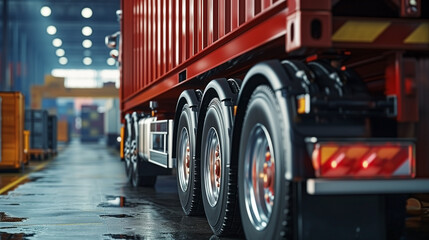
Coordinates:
[161,35]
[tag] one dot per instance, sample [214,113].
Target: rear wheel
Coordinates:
[264,194]
[128,164]
[128,148]
[188,169]
[218,178]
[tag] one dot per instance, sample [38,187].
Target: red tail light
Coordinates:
[364,160]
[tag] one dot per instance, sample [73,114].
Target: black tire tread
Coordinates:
[196,207]
[232,225]
[285,224]
[230,218]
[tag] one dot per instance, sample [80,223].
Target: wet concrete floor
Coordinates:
[75,197]
[78,195]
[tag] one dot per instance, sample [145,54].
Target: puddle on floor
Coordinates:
[6,218]
[34,179]
[117,216]
[16,236]
[124,236]
[27,194]
[136,204]
[7,228]
[4,180]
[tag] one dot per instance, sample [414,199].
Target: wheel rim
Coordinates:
[135,172]
[212,168]
[259,170]
[184,159]
[127,156]
[133,158]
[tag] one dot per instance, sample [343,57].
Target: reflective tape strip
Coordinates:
[359,31]
[420,35]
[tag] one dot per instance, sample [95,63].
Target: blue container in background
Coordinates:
[36,121]
[92,124]
[52,133]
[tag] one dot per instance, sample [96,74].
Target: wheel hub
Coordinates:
[184,159]
[268,172]
[217,167]
[213,167]
[259,166]
[188,158]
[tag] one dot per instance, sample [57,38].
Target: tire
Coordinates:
[188,169]
[265,202]
[145,181]
[138,178]
[128,148]
[127,161]
[135,169]
[143,174]
[131,160]
[218,183]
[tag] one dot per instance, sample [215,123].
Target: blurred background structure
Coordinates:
[53,52]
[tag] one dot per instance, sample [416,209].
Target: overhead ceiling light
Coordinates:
[60,52]
[87,60]
[87,31]
[45,11]
[63,60]
[111,61]
[87,43]
[57,42]
[114,53]
[86,12]
[51,30]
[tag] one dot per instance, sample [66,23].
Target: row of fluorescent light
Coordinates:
[46,12]
[57,42]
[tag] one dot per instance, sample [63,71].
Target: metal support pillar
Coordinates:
[4,62]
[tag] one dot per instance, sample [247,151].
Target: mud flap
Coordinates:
[339,216]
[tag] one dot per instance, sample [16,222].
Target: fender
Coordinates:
[227,92]
[192,98]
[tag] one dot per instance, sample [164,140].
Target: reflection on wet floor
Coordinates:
[15,236]
[117,215]
[6,218]
[122,236]
[10,179]
[113,201]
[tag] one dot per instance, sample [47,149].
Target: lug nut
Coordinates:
[267,156]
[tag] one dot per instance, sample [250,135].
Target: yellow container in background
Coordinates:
[12,127]
[63,131]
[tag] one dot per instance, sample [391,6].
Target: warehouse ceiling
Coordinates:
[65,20]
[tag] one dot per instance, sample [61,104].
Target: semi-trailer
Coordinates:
[296,119]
